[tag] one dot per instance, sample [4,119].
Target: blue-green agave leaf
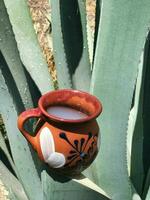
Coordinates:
[121,38]
[70,44]
[135,133]
[97,21]
[63,75]
[12,196]
[28,46]
[146,190]
[9,50]
[140,148]
[146,124]
[135,196]
[12,183]
[82,73]
[146,112]
[68,189]
[26,170]
[4,149]
[148,194]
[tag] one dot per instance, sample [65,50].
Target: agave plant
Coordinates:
[118,75]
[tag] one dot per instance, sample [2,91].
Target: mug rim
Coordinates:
[59,119]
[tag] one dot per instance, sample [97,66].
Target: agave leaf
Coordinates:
[21,154]
[146,111]
[64,78]
[84,181]
[135,196]
[11,183]
[28,46]
[148,195]
[70,38]
[68,189]
[146,124]
[135,133]
[82,72]
[10,52]
[141,129]
[115,70]
[4,148]
[12,196]
[146,186]
[97,21]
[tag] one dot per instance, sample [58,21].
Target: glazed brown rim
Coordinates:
[58,119]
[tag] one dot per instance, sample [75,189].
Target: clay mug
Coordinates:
[68,145]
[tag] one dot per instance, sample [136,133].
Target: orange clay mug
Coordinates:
[67,133]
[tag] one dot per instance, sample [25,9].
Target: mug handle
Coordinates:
[23,117]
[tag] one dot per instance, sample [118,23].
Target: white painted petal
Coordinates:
[56,160]
[47,143]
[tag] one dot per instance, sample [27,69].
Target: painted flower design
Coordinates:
[81,150]
[78,148]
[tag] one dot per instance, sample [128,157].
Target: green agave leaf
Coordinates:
[117,56]
[141,129]
[84,181]
[148,194]
[146,124]
[64,78]
[82,73]
[10,52]
[68,189]
[12,196]
[146,190]
[28,46]
[11,183]
[135,133]
[4,148]
[70,44]
[27,173]
[135,196]
[146,111]
[97,20]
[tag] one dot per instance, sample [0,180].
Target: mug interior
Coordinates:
[78,100]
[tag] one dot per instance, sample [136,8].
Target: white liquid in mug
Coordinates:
[66,113]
